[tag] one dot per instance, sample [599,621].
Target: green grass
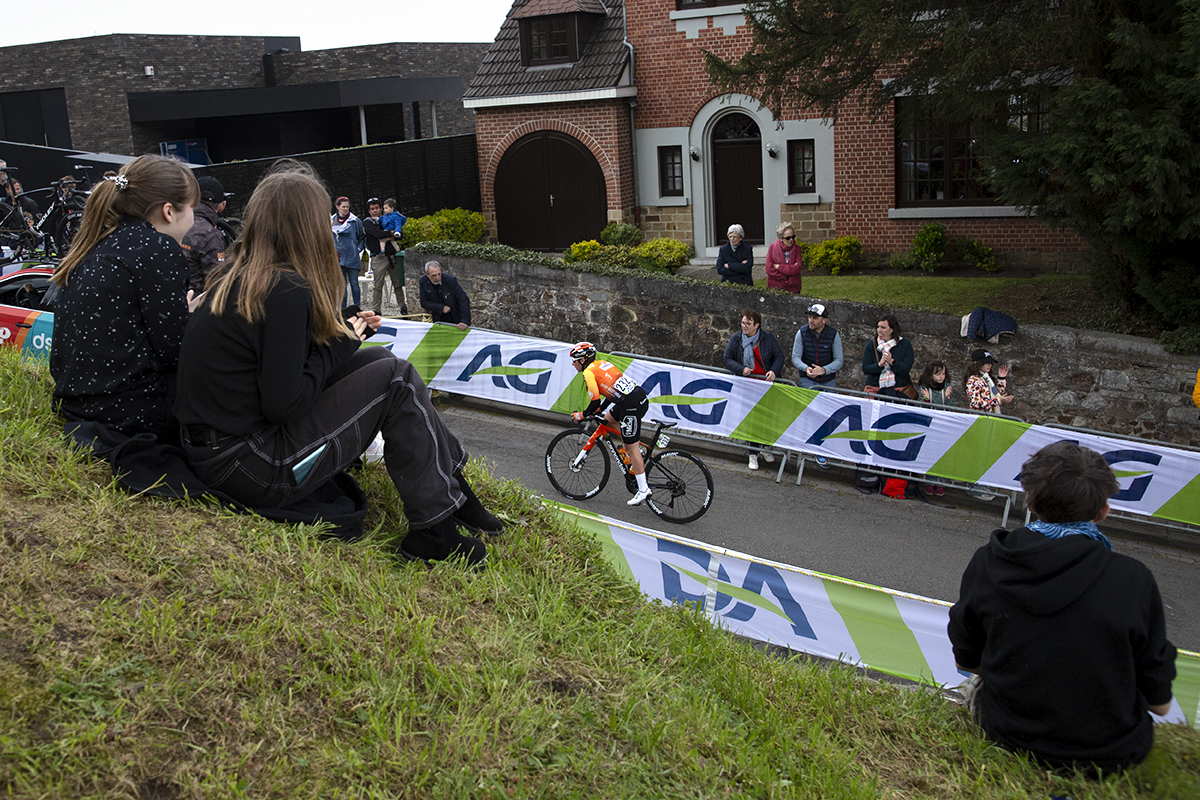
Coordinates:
[153,649]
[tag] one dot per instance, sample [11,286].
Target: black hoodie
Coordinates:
[1070,640]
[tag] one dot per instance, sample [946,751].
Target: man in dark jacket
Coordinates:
[381,245]
[1066,638]
[443,298]
[203,244]
[754,353]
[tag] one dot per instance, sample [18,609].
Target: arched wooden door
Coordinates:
[737,177]
[549,192]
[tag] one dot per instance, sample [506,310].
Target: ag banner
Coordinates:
[891,632]
[1155,480]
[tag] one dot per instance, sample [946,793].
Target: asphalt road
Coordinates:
[824,524]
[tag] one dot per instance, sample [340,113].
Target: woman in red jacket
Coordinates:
[783,261]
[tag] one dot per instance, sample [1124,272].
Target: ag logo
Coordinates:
[878,436]
[746,599]
[511,375]
[687,403]
[1141,477]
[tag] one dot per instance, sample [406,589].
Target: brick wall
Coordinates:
[666,222]
[865,189]
[813,223]
[97,73]
[601,125]
[669,67]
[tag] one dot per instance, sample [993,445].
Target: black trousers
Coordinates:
[373,391]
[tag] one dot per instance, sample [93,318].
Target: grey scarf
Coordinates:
[748,343]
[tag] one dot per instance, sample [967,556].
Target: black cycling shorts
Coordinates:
[628,412]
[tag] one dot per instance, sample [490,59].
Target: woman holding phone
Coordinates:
[124,301]
[276,396]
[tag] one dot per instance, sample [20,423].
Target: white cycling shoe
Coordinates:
[638,498]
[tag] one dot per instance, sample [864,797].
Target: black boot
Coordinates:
[472,515]
[443,541]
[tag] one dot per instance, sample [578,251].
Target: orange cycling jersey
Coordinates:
[606,381]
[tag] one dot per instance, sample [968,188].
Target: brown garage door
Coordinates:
[549,193]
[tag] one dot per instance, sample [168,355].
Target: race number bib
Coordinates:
[625,385]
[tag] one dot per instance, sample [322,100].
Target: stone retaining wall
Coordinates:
[1110,382]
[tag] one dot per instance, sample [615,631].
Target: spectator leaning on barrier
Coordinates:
[735,261]
[817,351]
[443,297]
[887,361]
[1066,639]
[783,263]
[754,353]
[204,245]
[983,392]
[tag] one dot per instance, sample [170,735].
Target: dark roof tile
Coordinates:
[604,56]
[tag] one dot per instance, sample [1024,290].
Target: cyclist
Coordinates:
[623,404]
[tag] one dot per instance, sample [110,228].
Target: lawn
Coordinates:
[170,650]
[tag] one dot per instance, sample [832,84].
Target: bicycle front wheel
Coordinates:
[578,481]
[681,487]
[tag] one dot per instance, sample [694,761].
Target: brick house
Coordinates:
[589,111]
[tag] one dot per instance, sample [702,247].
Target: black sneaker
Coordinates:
[441,542]
[472,515]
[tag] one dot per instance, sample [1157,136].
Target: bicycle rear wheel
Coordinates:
[576,481]
[681,487]
[65,232]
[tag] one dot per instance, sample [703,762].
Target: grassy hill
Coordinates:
[153,649]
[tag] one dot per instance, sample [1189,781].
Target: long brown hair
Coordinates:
[149,181]
[286,230]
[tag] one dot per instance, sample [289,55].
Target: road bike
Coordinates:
[56,227]
[681,487]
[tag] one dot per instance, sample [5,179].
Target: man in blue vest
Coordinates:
[817,353]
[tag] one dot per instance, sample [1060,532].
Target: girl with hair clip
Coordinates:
[276,396]
[124,301]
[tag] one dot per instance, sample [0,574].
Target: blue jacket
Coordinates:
[348,238]
[768,350]
[736,264]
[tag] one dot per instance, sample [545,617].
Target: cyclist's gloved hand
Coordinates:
[577,416]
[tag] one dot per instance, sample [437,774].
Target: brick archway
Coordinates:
[603,157]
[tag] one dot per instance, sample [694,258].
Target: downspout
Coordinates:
[637,206]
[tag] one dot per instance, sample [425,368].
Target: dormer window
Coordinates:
[556,31]
[548,40]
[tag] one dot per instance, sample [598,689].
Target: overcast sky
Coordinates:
[320,25]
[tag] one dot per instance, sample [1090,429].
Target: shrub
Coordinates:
[449,224]
[666,255]
[581,251]
[461,225]
[620,233]
[977,254]
[929,246]
[1185,340]
[834,255]
[612,255]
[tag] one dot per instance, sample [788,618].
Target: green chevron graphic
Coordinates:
[774,414]
[883,639]
[507,370]
[734,591]
[435,349]
[684,400]
[874,436]
[1185,505]
[980,446]
[1121,473]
